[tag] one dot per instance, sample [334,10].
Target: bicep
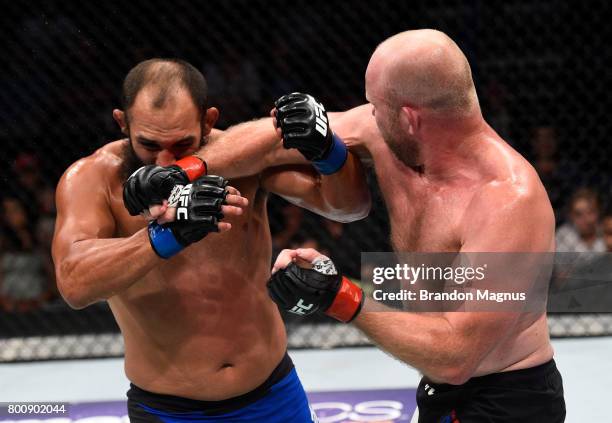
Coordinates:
[506,220]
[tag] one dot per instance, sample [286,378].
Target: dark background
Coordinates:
[63,63]
[539,67]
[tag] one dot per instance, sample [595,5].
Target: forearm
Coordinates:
[247,149]
[97,269]
[426,342]
[342,196]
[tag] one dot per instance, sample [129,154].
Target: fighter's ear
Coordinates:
[209,120]
[119,116]
[411,118]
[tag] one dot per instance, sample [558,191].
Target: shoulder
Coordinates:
[512,208]
[511,197]
[104,164]
[512,183]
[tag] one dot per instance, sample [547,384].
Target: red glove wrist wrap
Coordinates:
[193,166]
[347,303]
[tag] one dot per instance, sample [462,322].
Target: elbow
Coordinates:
[362,209]
[69,289]
[71,296]
[357,210]
[455,370]
[364,206]
[453,366]
[352,215]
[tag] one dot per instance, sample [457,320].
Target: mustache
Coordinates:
[131,161]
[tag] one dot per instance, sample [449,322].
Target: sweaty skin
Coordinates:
[499,205]
[199,325]
[460,188]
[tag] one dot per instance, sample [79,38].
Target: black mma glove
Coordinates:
[152,184]
[198,212]
[322,288]
[305,126]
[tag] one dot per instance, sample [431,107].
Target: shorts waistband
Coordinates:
[516,377]
[512,378]
[173,403]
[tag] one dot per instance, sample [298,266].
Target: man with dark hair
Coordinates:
[202,339]
[166,75]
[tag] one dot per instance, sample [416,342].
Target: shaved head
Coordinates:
[423,69]
[418,82]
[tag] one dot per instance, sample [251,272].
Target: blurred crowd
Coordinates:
[66,67]
[27,277]
[28,213]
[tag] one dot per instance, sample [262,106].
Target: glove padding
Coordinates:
[305,125]
[152,184]
[306,291]
[198,208]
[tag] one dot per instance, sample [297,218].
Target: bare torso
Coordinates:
[201,325]
[427,216]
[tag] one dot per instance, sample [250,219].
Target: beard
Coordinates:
[405,148]
[131,161]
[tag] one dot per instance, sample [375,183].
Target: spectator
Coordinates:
[24,282]
[44,237]
[544,148]
[495,97]
[582,233]
[606,225]
[32,189]
[557,173]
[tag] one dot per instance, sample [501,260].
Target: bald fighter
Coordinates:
[203,341]
[451,184]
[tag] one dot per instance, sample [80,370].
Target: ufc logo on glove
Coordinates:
[180,198]
[321,119]
[300,308]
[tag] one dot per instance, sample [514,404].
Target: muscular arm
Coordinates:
[246,149]
[250,147]
[255,147]
[357,128]
[90,265]
[448,347]
[343,196]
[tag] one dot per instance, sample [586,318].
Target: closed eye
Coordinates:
[183,144]
[150,146]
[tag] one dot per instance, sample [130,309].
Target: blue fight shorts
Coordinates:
[280,399]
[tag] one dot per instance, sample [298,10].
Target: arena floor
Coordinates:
[344,385]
